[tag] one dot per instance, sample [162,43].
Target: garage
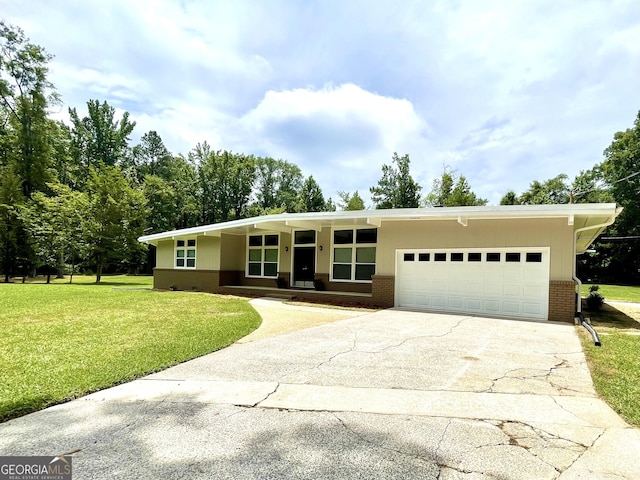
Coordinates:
[504,282]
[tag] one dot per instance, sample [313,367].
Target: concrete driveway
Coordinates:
[390,394]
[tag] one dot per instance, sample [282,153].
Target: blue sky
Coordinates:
[502,92]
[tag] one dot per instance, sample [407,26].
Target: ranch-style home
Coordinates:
[515,261]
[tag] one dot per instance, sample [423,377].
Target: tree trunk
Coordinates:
[60,266]
[48,276]
[73,267]
[99,272]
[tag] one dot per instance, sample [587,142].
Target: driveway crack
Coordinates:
[266,397]
[362,438]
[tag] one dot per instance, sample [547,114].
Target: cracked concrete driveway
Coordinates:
[390,394]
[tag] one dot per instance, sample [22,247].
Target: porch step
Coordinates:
[280,296]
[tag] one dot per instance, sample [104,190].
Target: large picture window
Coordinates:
[354,254]
[262,255]
[186,253]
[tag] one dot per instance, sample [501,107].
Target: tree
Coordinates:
[161,204]
[350,202]
[56,227]
[277,184]
[396,188]
[552,191]
[589,187]
[225,183]
[621,172]
[12,234]
[151,157]
[510,198]
[185,185]
[116,215]
[98,138]
[311,198]
[25,94]
[449,191]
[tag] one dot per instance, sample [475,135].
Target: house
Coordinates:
[515,261]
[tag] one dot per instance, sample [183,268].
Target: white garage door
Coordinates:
[507,282]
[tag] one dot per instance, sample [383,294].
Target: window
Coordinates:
[474,257]
[304,237]
[493,257]
[512,257]
[262,255]
[186,253]
[534,257]
[440,257]
[409,257]
[354,254]
[457,257]
[424,257]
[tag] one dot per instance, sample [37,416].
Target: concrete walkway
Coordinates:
[390,394]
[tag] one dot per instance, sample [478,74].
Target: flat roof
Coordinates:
[581,215]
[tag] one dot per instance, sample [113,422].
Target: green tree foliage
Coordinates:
[184,182]
[116,216]
[161,201]
[350,202]
[396,188]
[225,183]
[13,253]
[449,191]
[310,198]
[151,157]
[510,198]
[99,138]
[621,172]
[277,185]
[55,225]
[24,95]
[552,191]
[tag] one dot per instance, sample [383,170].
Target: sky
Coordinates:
[502,92]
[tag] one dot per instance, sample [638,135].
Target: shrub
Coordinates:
[594,300]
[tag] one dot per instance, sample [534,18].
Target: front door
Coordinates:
[304,260]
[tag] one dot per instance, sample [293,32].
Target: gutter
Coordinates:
[575,247]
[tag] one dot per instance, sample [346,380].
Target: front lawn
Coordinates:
[615,366]
[62,341]
[619,293]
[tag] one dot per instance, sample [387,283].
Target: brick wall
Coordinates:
[383,291]
[342,286]
[200,280]
[562,300]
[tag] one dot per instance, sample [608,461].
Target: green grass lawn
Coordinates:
[62,341]
[615,366]
[620,293]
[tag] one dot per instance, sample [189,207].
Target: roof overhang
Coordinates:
[579,216]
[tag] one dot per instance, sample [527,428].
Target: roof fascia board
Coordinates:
[303,225]
[285,221]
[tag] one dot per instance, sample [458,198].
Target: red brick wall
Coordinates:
[342,286]
[562,300]
[383,290]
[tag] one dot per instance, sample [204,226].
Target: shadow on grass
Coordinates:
[611,317]
[83,280]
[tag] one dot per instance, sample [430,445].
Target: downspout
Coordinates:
[575,278]
[575,254]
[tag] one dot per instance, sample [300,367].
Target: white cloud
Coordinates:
[504,92]
[340,134]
